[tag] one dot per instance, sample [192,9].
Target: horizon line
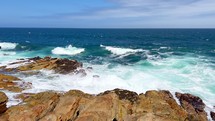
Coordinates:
[101,28]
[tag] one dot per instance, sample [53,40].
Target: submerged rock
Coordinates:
[193,105]
[113,105]
[3,101]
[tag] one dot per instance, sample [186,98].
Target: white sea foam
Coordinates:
[121,51]
[8,45]
[68,50]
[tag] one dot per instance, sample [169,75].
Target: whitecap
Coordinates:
[8,45]
[121,51]
[68,50]
[163,48]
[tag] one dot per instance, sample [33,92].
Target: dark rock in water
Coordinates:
[3,101]
[193,105]
[89,68]
[0,47]
[95,76]
[81,72]
[212,115]
[66,66]
[35,58]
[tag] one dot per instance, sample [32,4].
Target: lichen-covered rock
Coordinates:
[3,101]
[12,83]
[124,94]
[193,105]
[63,66]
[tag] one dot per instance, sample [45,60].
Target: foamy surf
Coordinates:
[68,50]
[121,51]
[7,45]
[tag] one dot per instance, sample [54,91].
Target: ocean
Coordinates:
[179,60]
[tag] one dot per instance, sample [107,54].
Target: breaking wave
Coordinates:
[121,51]
[7,45]
[68,50]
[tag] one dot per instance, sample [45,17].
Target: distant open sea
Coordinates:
[135,59]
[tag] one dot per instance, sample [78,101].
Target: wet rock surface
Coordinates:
[113,105]
[12,83]
[193,105]
[3,101]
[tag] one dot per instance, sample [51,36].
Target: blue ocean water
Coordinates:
[135,59]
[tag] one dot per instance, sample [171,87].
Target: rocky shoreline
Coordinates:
[75,105]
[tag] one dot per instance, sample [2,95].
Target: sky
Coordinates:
[108,13]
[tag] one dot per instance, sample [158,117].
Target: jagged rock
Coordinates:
[62,66]
[212,115]
[113,105]
[33,108]
[3,101]
[193,105]
[160,106]
[12,83]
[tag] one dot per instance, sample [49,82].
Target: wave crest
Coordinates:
[68,50]
[121,51]
[8,45]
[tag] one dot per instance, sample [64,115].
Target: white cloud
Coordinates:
[146,13]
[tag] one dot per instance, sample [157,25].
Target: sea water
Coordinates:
[179,60]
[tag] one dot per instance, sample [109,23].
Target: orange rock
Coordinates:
[3,101]
[113,105]
[12,83]
[62,66]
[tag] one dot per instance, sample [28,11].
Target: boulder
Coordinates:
[193,105]
[3,101]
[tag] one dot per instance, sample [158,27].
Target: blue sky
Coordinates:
[108,13]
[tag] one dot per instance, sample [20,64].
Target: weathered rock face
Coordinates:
[12,83]
[3,101]
[35,107]
[193,105]
[115,105]
[62,66]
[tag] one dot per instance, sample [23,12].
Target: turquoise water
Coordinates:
[135,59]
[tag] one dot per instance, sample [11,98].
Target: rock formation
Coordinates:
[12,83]
[114,105]
[63,66]
[193,105]
[75,105]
